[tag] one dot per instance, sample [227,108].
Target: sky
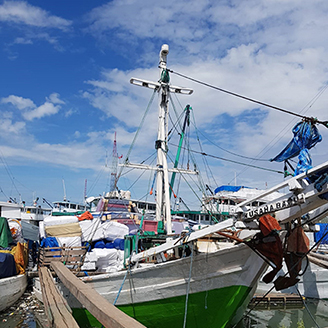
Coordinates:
[65,69]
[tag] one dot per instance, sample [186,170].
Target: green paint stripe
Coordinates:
[212,309]
[215,309]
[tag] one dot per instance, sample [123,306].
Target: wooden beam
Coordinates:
[105,312]
[58,312]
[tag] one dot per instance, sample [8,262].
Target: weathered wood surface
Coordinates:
[71,256]
[58,312]
[317,261]
[106,313]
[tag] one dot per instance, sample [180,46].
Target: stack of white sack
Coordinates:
[93,230]
[90,261]
[65,228]
[107,259]
[61,219]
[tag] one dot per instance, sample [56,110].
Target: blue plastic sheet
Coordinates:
[49,242]
[228,188]
[304,162]
[323,232]
[306,136]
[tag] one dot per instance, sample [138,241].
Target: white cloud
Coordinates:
[8,128]
[30,111]
[46,109]
[21,12]
[54,98]
[19,102]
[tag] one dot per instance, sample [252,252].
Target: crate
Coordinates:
[72,257]
[150,225]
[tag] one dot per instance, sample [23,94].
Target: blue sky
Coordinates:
[65,70]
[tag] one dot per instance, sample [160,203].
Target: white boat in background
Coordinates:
[21,211]
[11,289]
[226,198]
[65,206]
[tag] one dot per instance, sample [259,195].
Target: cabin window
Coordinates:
[142,206]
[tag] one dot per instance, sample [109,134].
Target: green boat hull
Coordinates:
[213,309]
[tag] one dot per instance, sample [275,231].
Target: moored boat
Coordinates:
[11,289]
[13,261]
[177,281]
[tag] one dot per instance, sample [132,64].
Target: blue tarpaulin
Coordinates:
[323,230]
[306,136]
[228,188]
[49,242]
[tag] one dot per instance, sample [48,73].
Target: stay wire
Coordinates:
[201,148]
[137,133]
[279,136]
[325,123]
[307,309]
[230,152]
[232,161]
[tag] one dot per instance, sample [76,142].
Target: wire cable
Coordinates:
[325,123]
[232,161]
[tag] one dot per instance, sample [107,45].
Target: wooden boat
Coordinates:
[175,283]
[11,289]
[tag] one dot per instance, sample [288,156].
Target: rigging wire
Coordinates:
[8,171]
[279,136]
[137,132]
[232,161]
[310,104]
[207,167]
[230,152]
[325,123]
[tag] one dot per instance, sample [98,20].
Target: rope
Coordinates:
[232,161]
[207,167]
[307,309]
[137,133]
[119,291]
[188,287]
[230,152]
[314,120]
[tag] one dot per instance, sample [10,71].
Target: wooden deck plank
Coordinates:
[58,312]
[98,306]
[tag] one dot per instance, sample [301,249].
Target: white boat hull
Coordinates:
[11,289]
[228,277]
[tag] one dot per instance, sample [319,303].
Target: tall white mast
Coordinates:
[163,207]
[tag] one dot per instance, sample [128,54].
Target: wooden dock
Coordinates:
[106,313]
[58,311]
[275,301]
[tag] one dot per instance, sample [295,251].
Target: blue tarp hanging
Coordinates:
[306,136]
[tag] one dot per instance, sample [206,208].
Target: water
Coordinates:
[314,314]
[29,314]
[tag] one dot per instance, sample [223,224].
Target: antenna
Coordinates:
[113,175]
[64,191]
[85,190]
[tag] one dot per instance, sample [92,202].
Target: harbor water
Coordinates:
[29,313]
